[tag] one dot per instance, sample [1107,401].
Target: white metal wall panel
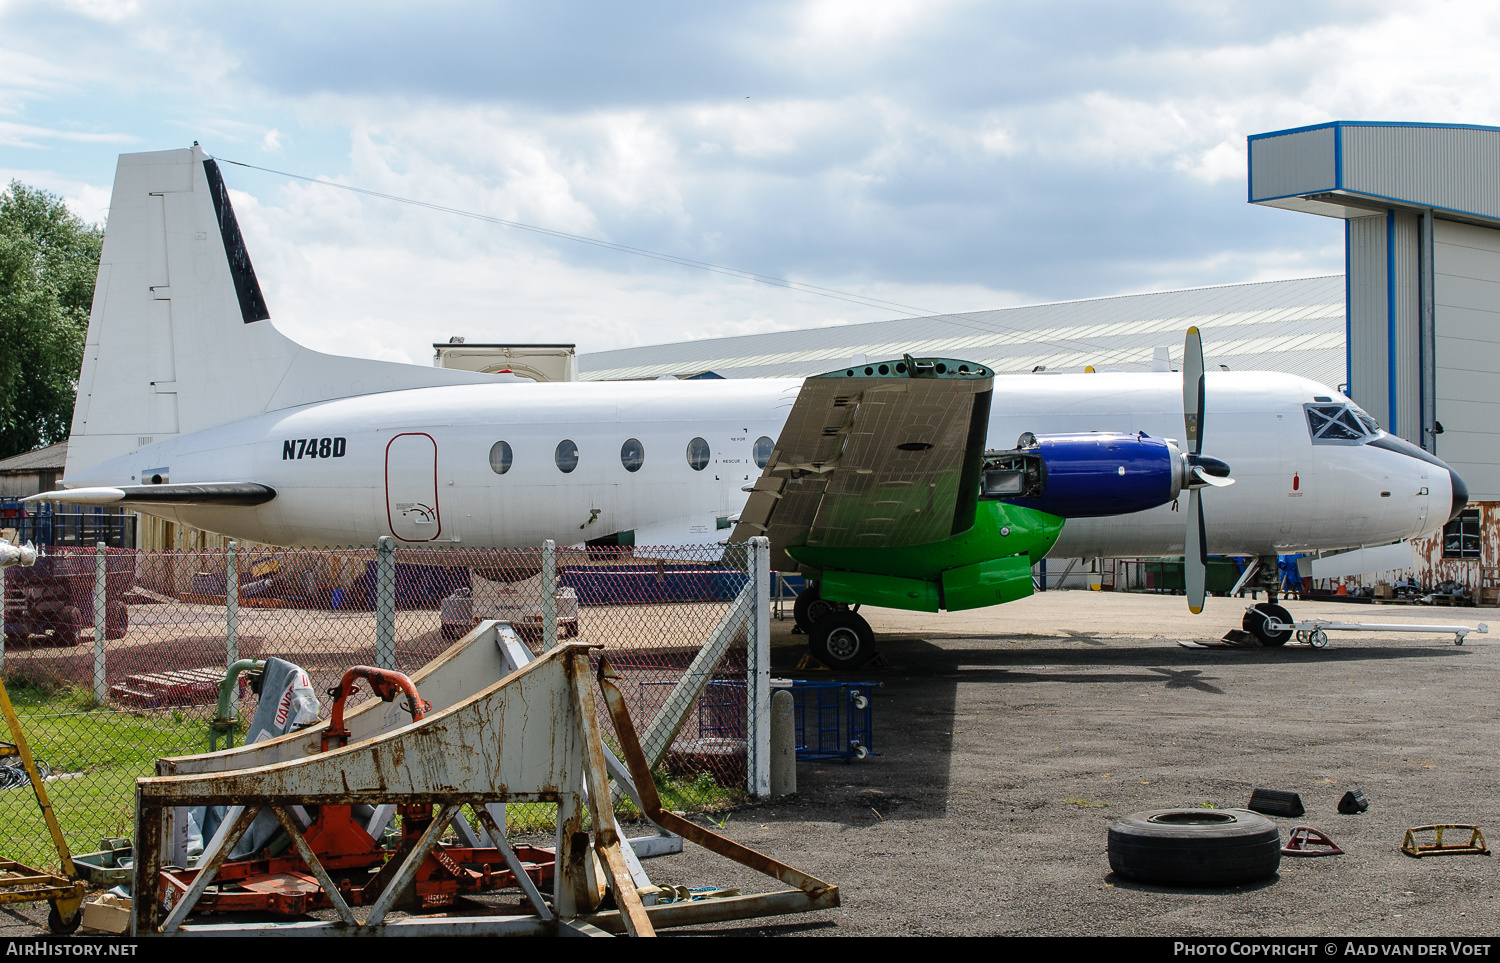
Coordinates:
[1369,316]
[1467,322]
[1445,167]
[1297,163]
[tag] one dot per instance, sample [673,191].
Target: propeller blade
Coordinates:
[1192,389]
[1195,557]
[1203,471]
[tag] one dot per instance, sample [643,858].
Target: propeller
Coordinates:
[1202,471]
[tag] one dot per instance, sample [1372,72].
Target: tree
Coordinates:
[49,259]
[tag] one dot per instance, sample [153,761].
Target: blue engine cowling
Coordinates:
[1086,475]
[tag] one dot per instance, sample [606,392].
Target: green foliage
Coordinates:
[48,262]
[94,754]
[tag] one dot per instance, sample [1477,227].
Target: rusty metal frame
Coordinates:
[533,736]
[1476,846]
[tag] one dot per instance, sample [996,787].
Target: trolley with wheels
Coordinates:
[834,720]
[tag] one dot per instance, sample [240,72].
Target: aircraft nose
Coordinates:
[1460,494]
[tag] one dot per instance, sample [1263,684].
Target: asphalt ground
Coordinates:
[1008,739]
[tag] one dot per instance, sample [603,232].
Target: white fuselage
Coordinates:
[416,464]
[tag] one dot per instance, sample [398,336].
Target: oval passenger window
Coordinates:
[697,454]
[567,455]
[762,451]
[632,454]
[500,458]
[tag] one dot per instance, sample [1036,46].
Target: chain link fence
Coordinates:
[113,658]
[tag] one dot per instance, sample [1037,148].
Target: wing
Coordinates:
[207,493]
[880,456]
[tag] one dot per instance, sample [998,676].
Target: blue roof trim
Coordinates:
[1408,202]
[1294,130]
[1372,123]
[1282,197]
[1404,201]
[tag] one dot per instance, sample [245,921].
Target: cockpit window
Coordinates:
[1332,423]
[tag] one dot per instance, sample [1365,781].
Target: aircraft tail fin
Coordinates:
[180,336]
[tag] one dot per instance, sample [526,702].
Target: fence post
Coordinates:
[232,611]
[101,619]
[385,602]
[758,671]
[549,595]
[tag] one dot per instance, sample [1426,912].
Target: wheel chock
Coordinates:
[1353,802]
[1474,847]
[1276,802]
[1307,841]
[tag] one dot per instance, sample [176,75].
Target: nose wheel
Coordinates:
[1259,616]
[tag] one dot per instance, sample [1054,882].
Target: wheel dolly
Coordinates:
[349,849]
[23,884]
[1315,631]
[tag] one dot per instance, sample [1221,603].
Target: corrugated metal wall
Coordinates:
[1369,355]
[1452,168]
[1405,330]
[1296,163]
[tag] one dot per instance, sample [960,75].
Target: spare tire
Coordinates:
[1195,847]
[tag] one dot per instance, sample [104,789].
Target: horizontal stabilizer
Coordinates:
[210,493]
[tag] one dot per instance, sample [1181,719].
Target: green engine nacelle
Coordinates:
[986,565]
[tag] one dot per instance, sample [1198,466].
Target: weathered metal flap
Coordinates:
[489,747]
[879,456]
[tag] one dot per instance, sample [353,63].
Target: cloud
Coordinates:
[950,156]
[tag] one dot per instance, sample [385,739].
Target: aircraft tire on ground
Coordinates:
[1255,623]
[1195,847]
[842,640]
[810,606]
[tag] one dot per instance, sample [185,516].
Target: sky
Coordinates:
[943,156]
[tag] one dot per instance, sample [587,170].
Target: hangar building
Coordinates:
[1411,331]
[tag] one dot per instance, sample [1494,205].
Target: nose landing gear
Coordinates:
[1258,616]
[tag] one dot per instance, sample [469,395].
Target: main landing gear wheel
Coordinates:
[1255,623]
[1195,847]
[842,640]
[811,607]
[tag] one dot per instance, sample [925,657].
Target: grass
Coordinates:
[95,754]
[701,793]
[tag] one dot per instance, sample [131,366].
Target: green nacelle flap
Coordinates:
[886,591]
[987,583]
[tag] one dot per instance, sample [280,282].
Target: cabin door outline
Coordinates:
[411,487]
